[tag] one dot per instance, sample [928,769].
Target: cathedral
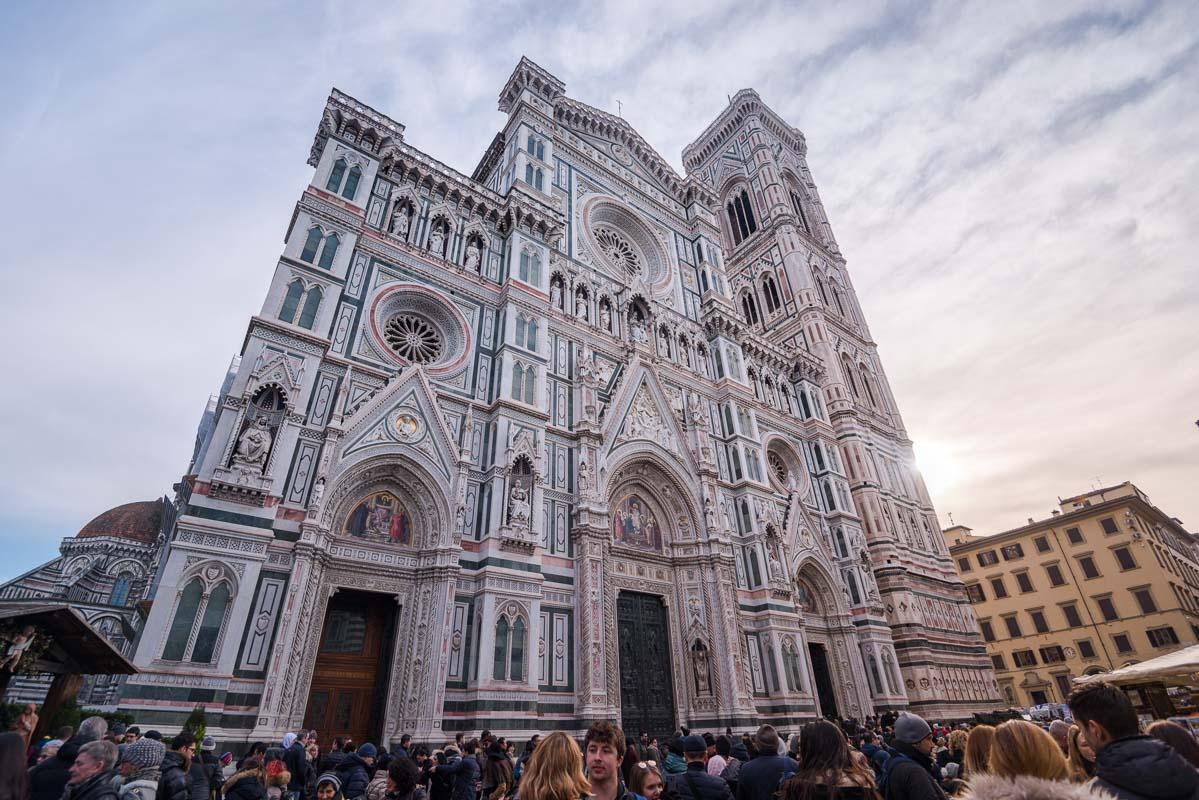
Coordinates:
[571,437]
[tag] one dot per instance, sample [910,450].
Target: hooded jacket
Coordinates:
[174,783]
[993,787]
[97,787]
[910,777]
[355,776]
[1144,768]
[466,772]
[245,784]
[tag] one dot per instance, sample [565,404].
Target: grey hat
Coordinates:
[694,744]
[767,739]
[144,753]
[331,779]
[910,728]
[208,743]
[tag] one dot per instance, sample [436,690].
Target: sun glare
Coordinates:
[938,466]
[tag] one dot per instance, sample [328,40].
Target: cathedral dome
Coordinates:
[137,521]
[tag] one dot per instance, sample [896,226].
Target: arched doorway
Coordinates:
[832,648]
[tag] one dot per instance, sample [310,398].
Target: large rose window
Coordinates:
[413,338]
[617,249]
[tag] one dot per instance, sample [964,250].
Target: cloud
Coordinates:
[1013,185]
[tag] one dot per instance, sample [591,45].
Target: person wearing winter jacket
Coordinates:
[441,784]
[278,777]
[141,765]
[92,775]
[174,784]
[400,779]
[48,779]
[696,783]
[1128,765]
[465,769]
[210,768]
[248,783]
[354,771]
[908,774]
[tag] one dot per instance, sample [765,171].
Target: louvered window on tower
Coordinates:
[741,217]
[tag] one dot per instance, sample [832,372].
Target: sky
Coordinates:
[1014,185]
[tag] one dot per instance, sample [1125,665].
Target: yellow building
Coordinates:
[1106,581]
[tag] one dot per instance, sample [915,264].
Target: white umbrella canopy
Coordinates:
[1179,667]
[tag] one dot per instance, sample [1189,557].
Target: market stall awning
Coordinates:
[1181,667]
[75,646]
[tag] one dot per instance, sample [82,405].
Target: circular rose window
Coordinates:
[618,250]
[413,324]
[413,338]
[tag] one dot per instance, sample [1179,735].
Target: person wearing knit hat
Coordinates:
[328,787]
[141,762]
[909,774]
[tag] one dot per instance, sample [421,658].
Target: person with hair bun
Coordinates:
[1027,764]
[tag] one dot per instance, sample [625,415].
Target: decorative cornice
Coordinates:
[356,122]
[600,123]
[532,76]
[745,103]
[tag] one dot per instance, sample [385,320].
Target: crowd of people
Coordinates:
[1103,755]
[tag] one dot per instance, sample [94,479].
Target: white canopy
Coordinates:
[1179,667]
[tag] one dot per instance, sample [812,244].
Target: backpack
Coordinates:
[896,758]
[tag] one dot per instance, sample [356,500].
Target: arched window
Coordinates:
[530,378]
[541,150]
[837,299]
[750,308]
[199,618]
[291,301]
[516,661]
[508,661]
[771,292]
[312,301]
[532,144]
[866,386]
[842,550]
[741,217]
[804,404]
[538,179]
[798,204]
[500,661]
[120,589]
[351,188]
[529,174]
[523,379]
[830,502]
[891,672]
[850,378]
[876,684]
[329,251]
[530,267]
[823,291]
[210,625]
[855,595]
[335,175]
[818,451]
[311,244]
[531,335]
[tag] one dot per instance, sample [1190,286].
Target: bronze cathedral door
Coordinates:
[646,687]
[349,682]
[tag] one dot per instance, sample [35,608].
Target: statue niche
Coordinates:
[259,428]
[520,493]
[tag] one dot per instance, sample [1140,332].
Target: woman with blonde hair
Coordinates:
[555,771]
[1081,758]
[978,751]
[1026,764]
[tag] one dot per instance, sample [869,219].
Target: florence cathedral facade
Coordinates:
[572,437]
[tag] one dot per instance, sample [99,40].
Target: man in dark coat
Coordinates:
[908,774]
[465,770]
[759,779]
[696,783]
[207,780]
[92,774]
[355,771]
[1128,765]
[48,779]
[175,783]
[297,762]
